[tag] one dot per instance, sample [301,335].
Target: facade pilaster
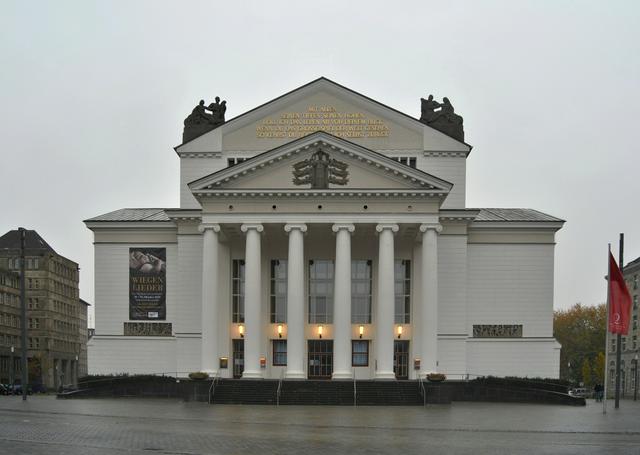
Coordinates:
[385,304]
[252,301]
[295,301]
[209,319]
[429,293]
[342,302]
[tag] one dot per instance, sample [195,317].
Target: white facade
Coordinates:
[470,271]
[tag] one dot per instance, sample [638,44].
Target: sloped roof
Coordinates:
[632,265]
[133,214]
[33,241]
[514,215]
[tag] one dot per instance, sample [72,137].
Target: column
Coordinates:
[252,301]
[386,298]
[209,319]
[342,303]
[429,291]
[295,302]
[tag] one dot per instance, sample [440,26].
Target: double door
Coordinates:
[320,359]
[401,359]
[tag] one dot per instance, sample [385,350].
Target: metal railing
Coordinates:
[279,391]
[212,387]
[355,395]
[422,390]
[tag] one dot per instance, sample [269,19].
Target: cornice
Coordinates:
[200,154]
[306,193]
[445,154]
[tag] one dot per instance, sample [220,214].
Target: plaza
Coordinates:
[138,426]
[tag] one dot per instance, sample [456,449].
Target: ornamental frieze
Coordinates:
[147,329]
[497,331]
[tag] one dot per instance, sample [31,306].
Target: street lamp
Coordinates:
[11,378]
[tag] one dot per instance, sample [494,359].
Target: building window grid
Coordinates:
[361,291]
[237,291]
[402,279]
[360,353]
[278,293]
[279,353]
[321,291]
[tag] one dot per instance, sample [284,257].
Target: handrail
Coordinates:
[212,387]
[354,387]
[422,390]
[279,391]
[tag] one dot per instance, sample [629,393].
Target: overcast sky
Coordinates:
[93,95]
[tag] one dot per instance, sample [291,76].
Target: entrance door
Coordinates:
[238,358]
[401,359]
[320,359]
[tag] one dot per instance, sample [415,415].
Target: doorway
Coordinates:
[401,359]
[238,358]
[320,353]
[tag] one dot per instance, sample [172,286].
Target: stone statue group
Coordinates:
[442,117]
[204,118]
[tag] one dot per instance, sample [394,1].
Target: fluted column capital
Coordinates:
[390,226]
[252,226]
[204,226]
[437,227]
[291,226]
[343,226]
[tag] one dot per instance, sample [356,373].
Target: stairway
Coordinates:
[245,391]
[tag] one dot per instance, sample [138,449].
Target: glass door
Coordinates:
[320,354]
[401,359]
[238,358]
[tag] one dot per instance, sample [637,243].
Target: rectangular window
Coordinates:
[361,292]
[407,160]
[278,298]
[279,353]
[635,302]
[234,161]
[237,291]
[402,278]
[360,353]
[320,292]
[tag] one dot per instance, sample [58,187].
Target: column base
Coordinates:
[342,375]
[248,374]
[295,375]
[385,376]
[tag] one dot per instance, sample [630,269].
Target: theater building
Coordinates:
[324,235]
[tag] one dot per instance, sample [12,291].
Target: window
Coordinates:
[237,296]
[635,302]
[359,353]
[635,281]
[402,273]
[234,161]
[361,292]
[320,292]
[278,297]
[407,160]
[279,352]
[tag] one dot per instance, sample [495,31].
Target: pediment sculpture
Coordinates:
[203,118]
[319,170]
[442,117]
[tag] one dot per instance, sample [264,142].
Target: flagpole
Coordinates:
[619,335]
[606,336]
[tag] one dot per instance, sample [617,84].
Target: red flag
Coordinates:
[619,300]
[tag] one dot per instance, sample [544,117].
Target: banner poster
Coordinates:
[147,283]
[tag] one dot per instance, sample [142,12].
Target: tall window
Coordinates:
[360,353]
[320,292]
[361,292]
[279,353]
[402,277]
[408,160]
[237,292]
[278,290]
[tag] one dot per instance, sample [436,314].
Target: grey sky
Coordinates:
[93,95]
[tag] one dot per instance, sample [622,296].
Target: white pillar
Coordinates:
[252,301]
[429,291]
[385,304]
[209,315]
[295,302]
[342,303]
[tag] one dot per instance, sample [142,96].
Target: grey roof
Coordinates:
[632,265]
[33,241]
[495,214]
[133,215]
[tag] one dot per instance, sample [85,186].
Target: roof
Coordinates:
[514,215]
[322,78]
[85,302]
[632,265]
[33,241]
[129,214]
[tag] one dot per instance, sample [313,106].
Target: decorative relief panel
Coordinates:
[147,329]
[497,331]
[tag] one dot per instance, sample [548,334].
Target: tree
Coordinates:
[586,372]
[581,332]
[599,368]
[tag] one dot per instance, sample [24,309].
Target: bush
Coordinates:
[198,376]
[436,377]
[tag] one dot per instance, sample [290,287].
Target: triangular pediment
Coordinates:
[323,105]
[293,167]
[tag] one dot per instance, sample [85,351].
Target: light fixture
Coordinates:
[279,330]
[241,330]
[319,331]
[361,330]
[399,331]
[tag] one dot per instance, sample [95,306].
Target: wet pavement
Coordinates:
[44,425]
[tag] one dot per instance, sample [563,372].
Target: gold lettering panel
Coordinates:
[326,118]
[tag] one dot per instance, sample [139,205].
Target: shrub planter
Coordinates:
[198,376]
[436,377]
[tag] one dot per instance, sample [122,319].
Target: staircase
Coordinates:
[310,392]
